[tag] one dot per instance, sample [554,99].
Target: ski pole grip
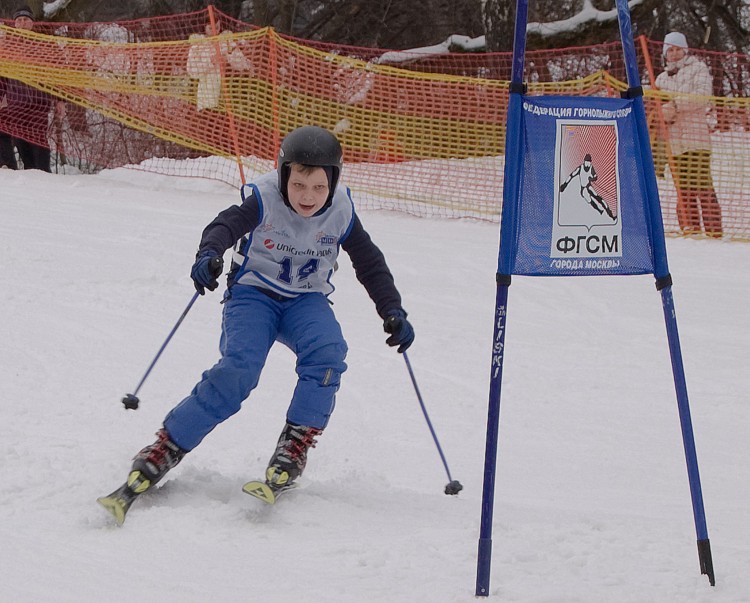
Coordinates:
[216,266]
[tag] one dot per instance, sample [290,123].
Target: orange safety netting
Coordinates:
[203,95]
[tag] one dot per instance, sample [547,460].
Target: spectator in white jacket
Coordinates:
[208,58]
[688,81]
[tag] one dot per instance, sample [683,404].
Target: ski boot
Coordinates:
[150,465]
[286,464]
[290,458]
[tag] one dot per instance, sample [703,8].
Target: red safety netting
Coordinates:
[201,94]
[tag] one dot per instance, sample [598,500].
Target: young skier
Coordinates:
[286,236]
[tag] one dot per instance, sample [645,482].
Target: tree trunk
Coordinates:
[499,21]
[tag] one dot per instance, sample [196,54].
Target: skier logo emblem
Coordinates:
[586,219]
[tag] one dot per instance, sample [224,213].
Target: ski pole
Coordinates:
[131,401]
[454,486]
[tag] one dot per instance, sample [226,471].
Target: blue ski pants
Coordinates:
[251,323]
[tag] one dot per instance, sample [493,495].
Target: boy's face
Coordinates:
[307,189]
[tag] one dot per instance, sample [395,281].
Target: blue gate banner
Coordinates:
[582,206]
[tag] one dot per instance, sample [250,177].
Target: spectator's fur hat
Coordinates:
[23,11]
[674,38]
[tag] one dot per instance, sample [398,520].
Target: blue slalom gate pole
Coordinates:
[484,551]
[664,285]
[688,440]
[511,197]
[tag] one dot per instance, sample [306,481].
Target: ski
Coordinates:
[118,502]
[268,494]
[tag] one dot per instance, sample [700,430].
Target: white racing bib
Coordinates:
[287,253]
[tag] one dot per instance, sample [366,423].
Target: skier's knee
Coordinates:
[329,357]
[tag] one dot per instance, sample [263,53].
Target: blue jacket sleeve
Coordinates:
[371,269]
[229,226]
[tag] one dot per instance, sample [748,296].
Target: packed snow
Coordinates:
[592,498]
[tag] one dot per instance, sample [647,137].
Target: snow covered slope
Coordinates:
[592,496]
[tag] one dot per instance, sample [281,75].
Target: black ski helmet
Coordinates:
[310,145]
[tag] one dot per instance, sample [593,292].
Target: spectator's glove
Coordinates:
[400,329]
[207,268]
[669,112]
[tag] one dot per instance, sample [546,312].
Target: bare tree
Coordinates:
[392,24]
[398,24]
[713,24]
[499,19]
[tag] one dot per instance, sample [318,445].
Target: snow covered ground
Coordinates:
[592,496]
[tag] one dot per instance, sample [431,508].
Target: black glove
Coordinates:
[207,268]
[400,329]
